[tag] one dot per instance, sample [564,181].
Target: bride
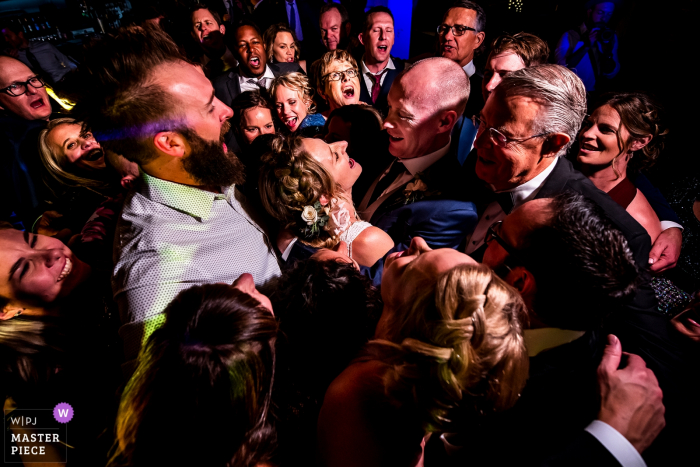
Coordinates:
[306,185]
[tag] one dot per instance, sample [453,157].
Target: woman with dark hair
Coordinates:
[624,135]
[448,347]
[251,116]
[56,321]
[325,305]
[201,393]
[282,46]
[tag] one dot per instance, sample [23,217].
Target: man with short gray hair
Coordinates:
[528,122]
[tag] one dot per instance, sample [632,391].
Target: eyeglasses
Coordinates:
[492,235]
[340,75]
[17,89]
[457,30]
[498,138]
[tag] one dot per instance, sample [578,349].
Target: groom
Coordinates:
[416,195]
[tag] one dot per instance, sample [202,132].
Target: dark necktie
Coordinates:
[505,200]
[377,87]
[292,17]
[258,82]
[397,168]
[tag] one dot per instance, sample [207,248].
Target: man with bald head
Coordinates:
[24,110]
[414,194]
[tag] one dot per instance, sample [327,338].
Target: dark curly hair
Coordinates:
[201,393]
[581,254]
[290,179]
[641,116]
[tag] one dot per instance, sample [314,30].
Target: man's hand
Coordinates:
[592,36]
[631,399]
[666,250]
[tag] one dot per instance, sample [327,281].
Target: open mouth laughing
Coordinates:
[254,62]
[93,155]
[67,268]
[291,122]
[37,103]
[349,92]
[588,147]
[351,162]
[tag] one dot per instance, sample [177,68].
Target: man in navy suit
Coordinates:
[379,69]
[415,194]
[253,71]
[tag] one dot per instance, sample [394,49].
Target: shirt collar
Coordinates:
[268,74]
[389,66]
[421,164]
[528,190]
[469,68]
[539,340]
[188,199]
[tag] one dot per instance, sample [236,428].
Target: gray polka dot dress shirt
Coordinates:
[171,237]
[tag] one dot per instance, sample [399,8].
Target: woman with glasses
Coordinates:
[337,79]
[292,97]
[623,136]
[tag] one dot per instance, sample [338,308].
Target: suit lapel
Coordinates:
[233,85]
[364,92]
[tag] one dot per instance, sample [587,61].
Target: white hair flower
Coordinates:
[309,215]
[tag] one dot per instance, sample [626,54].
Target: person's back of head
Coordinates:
[365,128]
[201,393]
[531,49]
[581,263]
[458,347]
[560,93]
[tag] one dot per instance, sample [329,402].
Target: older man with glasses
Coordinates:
[25,108]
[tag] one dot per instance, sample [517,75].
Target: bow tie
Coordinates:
[505,200]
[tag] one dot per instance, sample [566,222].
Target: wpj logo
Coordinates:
[37,435]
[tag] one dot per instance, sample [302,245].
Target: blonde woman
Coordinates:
[306,185]
[292,98]
[70,156]
[448,347]
[282,46]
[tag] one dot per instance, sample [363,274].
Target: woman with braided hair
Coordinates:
[448,348]
[623,136]
[306,185]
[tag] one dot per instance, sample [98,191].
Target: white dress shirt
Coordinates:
[288,4]
[171,237]
[470,69]
[368,75]
[494,213]
[247,85]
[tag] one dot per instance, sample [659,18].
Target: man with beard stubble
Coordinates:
[187,223]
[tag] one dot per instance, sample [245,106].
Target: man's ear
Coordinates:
[480,36]
[360,36]
[524,282]
[171,143]
[348,27]
[553,144]
[639,143]
[222,29]
[447,121]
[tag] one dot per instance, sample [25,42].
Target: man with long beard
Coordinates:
[186,224]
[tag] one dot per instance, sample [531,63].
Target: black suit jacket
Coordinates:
[476,99]
[366,94]
[227,87]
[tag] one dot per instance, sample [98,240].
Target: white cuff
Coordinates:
[665,225]
[285,253]
[617,444]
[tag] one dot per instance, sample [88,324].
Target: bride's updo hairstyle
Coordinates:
[291,180]
[457,348]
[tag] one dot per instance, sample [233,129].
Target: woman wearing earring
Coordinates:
[293,100]
[282,46]
[623,135]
